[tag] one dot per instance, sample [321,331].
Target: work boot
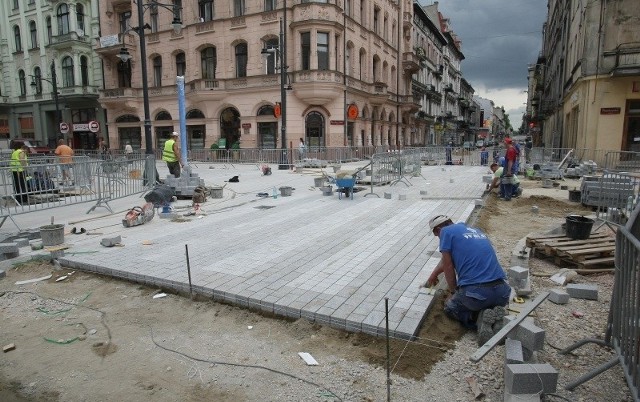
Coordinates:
[499,312]
[486,319]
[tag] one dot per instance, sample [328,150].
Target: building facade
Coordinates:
[50,74]
[584,89]
[345,67]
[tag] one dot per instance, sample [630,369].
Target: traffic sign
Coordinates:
[94,126]
[64,127]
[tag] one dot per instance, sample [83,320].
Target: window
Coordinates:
[348,59]
[271,61]
[208,58]
[241,60]
[376,20]
[23,83]
[362,19]
[181,65]
[124,74]
[49,29]
[305,39]
[206,10]
[238,8]
[63,19]
[31,2]
[323,51]
[15,4]
[177,7]
[16,34]
[37,79]
[80,18]
[269,5]
[124,21]
[33,31]
[67,72]
[157,71]
[153,12]
[361,66]
[84,70]
[347,7]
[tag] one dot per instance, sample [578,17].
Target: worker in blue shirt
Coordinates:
[476,280]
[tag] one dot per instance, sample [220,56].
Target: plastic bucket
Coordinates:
[285,191]
[318,181]
[216,192]
[574,195]
[52,235]
[578,227]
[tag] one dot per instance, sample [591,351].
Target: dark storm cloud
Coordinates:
[500,38]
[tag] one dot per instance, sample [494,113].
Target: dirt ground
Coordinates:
[89,337]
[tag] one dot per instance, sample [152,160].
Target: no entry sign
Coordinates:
[94,126]
[64,127]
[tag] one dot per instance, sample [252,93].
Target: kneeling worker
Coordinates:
[474,276]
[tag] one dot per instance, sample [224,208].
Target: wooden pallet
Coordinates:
[596,251]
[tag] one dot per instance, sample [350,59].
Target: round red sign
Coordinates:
[94,126]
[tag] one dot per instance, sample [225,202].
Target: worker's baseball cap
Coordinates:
[437,221]
[175,134]
[507,140]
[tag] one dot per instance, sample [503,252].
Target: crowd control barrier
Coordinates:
[42,185]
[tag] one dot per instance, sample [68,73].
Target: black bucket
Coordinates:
[574,195]
[578,227]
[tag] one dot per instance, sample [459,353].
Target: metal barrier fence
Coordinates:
[623,161]
[623,325]
[395,167]
[43,185]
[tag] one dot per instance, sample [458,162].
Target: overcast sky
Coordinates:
[500,38]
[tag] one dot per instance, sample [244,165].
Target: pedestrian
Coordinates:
[497,170]
[476,280]
[301,149]
[128,150]
[19,163]
[65,157]
[528,145]
[510,164]
[103,148]
[447,152]
[484,156]
[171,154]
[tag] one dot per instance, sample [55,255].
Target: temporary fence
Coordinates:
[623,325]
[389,168]
[622,161]
[42,184]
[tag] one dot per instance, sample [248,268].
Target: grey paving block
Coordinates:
[513,351]
[558,296]
[518,272]
[111,241]
[530,335]
[530,378]
[583,291]
[9,248]
[22,242]
[509,397]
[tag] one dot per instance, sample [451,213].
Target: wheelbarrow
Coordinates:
[345,185]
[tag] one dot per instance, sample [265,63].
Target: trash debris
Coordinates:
[9,347]
[475,387]
[44,278]
[78,231]
[564,276]
[234,179]
[577,314]
[147,242]
[159,295]
[308,358]
[62,278]
[249,326]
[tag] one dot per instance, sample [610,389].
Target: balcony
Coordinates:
[411,62]
[122,98]
[626,60]
[68,41]
[410,103]
[317,87]
[439,71]
[448,88]
[379,95]
[108,47]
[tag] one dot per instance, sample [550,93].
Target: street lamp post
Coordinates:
[54,84]
[281,53]
[125,56]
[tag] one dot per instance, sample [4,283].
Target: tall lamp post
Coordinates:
[281,52]
[36,82]
[150,171]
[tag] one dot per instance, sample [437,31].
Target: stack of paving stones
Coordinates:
[525,379]
[185,185]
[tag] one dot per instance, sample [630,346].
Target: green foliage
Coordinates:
[235,145]
[214,146]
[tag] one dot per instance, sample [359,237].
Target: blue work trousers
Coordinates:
[468,300]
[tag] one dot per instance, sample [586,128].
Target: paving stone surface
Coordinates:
[326,259]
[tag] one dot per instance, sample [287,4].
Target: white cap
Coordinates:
[175,134]
[438,220]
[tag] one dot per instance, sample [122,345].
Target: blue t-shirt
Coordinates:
[473,256]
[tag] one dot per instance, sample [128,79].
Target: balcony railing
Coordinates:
[626,59]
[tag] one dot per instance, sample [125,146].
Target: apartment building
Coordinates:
[584,89]
[348,72]
[50,74]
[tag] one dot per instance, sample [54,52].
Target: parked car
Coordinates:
[35,147]
[468,146]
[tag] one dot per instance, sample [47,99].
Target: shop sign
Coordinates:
[610,110]
[336,122]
